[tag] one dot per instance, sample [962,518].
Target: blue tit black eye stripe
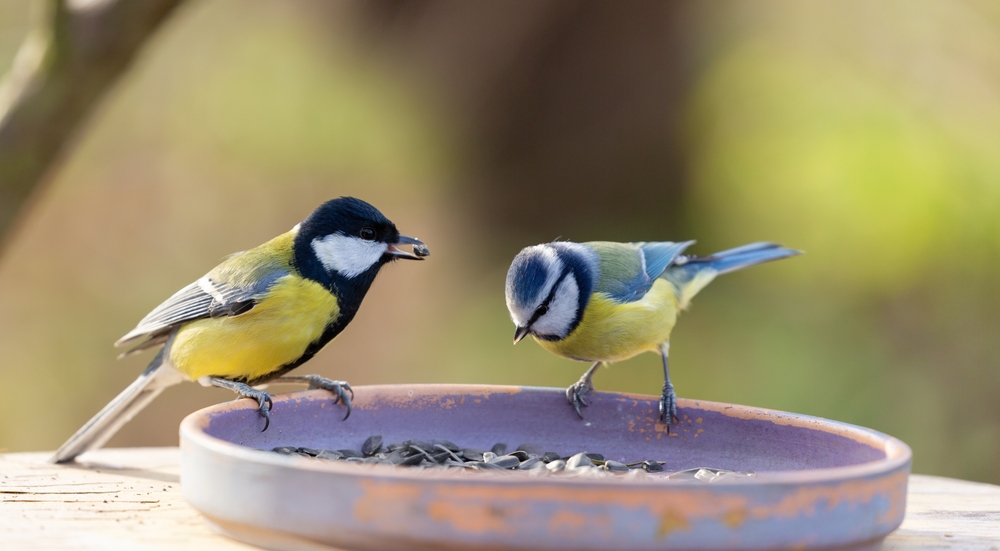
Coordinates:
[544,306]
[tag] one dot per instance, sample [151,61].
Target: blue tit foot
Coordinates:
[668,405]
[340,389]
[576,393]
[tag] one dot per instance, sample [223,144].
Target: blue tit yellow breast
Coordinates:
[612,331]
[275,332]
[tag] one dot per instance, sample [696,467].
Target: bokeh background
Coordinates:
[864,133]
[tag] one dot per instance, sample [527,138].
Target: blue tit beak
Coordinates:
[419,249]
[520,333]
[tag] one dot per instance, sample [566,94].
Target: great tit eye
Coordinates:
[367,234]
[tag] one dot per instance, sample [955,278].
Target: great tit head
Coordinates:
[548,287]
[348,237]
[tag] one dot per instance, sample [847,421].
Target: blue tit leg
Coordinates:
[576,392]
[668,399]
[340,389]
[246,391]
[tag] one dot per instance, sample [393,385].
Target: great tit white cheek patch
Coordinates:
[348,255]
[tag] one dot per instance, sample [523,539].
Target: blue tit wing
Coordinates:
[659,255]
[231,289]
[621,271]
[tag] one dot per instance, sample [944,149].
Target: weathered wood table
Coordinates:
[131,499]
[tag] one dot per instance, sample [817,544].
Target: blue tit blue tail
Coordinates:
[690,274]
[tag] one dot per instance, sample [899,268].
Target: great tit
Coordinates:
[605,302]
[259,314]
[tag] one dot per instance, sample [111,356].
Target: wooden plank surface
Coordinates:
[131,499]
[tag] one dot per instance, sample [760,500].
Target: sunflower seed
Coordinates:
[372,445]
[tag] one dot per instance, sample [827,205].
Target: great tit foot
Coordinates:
[262,398]
[668,405]
[340,389]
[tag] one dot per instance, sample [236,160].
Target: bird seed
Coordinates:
[533,458]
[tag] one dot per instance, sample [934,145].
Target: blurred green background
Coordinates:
[866,134]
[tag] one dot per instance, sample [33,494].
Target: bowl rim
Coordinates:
[898,454]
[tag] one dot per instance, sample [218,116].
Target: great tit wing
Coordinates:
[210,296]
[621,274]
[659,255]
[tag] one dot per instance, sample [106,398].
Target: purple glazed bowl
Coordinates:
[820,484]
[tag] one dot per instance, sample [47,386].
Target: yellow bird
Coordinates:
[605,302]
[258,315]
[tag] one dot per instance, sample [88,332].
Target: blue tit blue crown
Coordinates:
[548,287]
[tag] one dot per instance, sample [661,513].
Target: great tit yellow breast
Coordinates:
[612,331]
[275,332]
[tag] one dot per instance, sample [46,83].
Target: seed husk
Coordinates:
[580,460]
[556,465]
[549,457]
[473,454]
[445,444]
[505,461]
[533,463]
[616,467]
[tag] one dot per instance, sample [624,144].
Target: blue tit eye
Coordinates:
[366,233]
[542,310]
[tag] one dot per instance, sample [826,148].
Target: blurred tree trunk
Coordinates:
[573,110]
[77,51]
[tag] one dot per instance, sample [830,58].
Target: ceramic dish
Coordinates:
[819,484]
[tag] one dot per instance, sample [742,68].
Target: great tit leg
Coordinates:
[340,389]
[668,399]
[246,391]
[576,392]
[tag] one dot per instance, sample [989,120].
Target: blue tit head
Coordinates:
[548,288]
[348,239]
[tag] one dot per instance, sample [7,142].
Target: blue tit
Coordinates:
[259,314]
[604,302]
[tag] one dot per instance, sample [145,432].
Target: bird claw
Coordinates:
[668,405]
[340,390]
[263,400]
[576,393]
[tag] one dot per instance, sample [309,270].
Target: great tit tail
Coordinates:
[695,273]
[101,427]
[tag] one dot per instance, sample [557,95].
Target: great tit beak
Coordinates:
[520,333]
[419,249]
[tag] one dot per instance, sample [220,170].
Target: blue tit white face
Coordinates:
[545,294]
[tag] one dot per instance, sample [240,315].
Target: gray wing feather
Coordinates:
[202,299]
